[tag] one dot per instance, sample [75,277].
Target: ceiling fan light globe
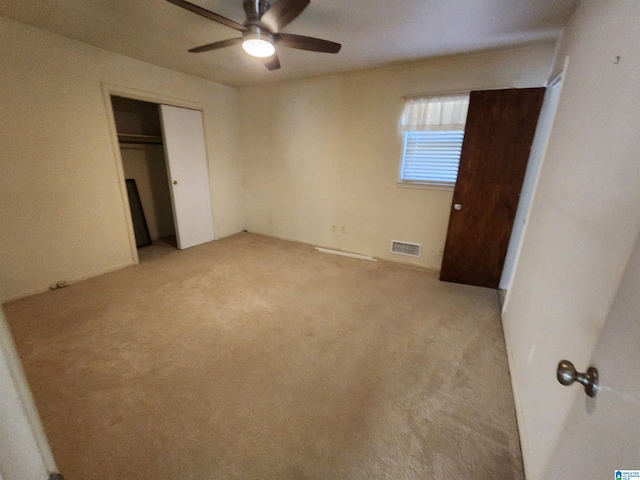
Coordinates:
[258,47]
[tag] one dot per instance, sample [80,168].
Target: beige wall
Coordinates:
[325,152]
[61,208]
[583,223]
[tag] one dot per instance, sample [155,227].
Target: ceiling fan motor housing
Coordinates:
[254,10]
[255,32]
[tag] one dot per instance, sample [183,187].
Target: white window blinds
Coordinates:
[432,157]
[433,130]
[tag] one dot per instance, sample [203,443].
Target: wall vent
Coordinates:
[405,248]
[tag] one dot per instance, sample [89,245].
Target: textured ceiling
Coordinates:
[373,33]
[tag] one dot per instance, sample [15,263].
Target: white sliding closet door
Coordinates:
[183,134]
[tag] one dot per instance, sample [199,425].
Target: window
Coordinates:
[431,157]
[433,130]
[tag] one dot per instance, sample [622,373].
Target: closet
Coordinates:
[164,159]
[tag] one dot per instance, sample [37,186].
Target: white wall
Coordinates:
[325,152]
[583,223]
[61,208]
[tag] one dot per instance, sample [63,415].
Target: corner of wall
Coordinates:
[517,397]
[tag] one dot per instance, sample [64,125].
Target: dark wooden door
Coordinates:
[497,141]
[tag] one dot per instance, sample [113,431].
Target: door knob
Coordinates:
[567,374]
[175,182]
[457,206]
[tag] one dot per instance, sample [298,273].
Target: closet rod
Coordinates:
[140,139]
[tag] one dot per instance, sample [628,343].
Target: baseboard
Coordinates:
[333,247]
[502,295]
[68,282]
[358,256]
[24,295]
[227,235]
[524,446]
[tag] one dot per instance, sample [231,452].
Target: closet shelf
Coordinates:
[144,139]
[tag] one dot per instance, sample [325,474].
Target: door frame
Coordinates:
[108,90]
[504,289]
[38,438]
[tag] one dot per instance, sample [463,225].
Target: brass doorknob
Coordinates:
[175,182]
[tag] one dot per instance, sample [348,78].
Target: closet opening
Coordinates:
[141,142]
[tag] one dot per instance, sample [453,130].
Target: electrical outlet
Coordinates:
[333,228]
[344,229]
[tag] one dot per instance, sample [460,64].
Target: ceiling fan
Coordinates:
[261,30]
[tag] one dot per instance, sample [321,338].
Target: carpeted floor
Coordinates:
[256,358]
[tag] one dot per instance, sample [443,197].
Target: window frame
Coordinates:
[433,112]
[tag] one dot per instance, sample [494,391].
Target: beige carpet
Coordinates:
[256,358]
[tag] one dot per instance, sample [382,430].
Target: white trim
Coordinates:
[151,97]
[69,282]
[346,254]
[525,227]
[555,81]
[517,399]
[426,186]
[115,146]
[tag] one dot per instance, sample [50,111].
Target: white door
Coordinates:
[602,434]
[24,451]
[188,172]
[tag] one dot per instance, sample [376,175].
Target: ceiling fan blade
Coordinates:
[272,62]
[307,43]
[215,45]
[281,13]
[203,12]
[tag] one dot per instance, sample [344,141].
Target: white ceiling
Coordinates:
[373,33]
